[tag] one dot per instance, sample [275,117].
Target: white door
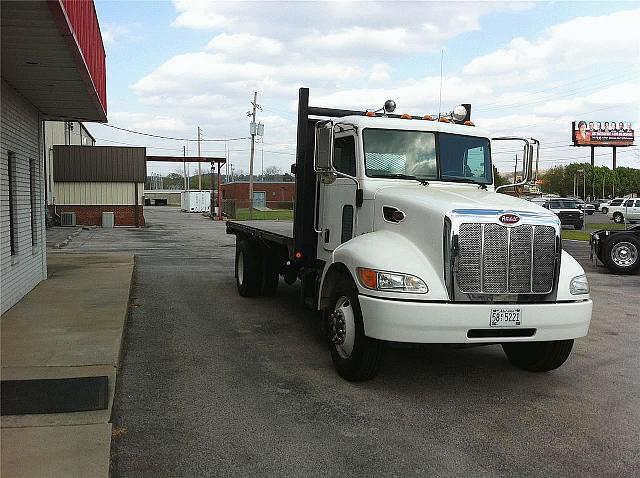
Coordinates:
[634,212]
[338,199]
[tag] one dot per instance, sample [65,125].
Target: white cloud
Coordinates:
[245,45]
[575,44]
[199,15]
[380,72]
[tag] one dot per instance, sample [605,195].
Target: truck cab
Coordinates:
[400,236]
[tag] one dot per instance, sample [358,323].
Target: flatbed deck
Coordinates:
[276,231]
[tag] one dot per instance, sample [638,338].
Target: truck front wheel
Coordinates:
[248,269]
[355,356]
[538,356]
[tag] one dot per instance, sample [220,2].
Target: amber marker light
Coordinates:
[444,120]
[370,113]
[368,277]
[427,117]
[406,116]
[469,123]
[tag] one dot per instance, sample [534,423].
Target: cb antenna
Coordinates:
[441,63]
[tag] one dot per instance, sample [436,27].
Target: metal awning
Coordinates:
[55,57]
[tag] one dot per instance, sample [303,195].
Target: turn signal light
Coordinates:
[368,277]
[406,116]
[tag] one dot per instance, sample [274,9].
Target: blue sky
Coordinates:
[527,68]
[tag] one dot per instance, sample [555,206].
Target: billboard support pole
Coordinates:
[613,186]
[592,156]
[593,173]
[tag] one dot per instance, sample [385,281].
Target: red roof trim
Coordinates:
[78,24]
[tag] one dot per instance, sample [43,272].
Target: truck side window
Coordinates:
[629,203]
[344,155]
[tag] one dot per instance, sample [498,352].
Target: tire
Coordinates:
[538,356]
[621,253]
[248,269]
[355,356]
[618,218]
[604,210]
[578,226]
[270,274]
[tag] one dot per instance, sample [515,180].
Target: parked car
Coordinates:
[566,209]
[614,202]
[586,207]
[619,251]
[629,210]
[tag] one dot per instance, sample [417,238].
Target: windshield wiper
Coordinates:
[462,180]
[422,181]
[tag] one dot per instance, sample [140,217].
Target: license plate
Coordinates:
[505,318]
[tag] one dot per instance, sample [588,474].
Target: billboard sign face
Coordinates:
[602,133]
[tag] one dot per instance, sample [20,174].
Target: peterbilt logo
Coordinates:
[509,219]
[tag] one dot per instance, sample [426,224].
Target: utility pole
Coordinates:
[199,164]
[184,166]
[253,131]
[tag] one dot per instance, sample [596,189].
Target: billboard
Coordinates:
[602,133]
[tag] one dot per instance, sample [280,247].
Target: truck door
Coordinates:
[338,199]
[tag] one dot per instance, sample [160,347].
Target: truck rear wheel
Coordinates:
[248,269]
[538,356]
[621,253]
[355,356]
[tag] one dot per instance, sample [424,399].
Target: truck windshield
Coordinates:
[427,156]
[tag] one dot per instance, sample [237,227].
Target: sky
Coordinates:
[527,68]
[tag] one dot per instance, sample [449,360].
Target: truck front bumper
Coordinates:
[432,322]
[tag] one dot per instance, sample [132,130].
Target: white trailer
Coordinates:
[195,201]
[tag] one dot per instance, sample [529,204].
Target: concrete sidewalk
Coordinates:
[69,326]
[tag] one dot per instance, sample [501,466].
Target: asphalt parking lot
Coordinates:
[212,384]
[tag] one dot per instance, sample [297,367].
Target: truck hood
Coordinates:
[437,200]
[425,208]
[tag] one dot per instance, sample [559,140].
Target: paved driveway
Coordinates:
[216,385]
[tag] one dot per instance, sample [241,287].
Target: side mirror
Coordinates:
[324,147]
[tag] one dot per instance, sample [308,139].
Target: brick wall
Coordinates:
[92,215]
[20,134]
[278,195]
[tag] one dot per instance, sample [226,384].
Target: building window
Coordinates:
[33,199]
[13,232]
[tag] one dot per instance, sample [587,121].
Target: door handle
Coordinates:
[326,236]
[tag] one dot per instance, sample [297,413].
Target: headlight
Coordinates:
[579,285]
[391,281]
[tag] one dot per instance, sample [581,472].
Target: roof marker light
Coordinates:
[406,116]
[459,113]
[427,117]
[370,113]
[469,123]
[444,119]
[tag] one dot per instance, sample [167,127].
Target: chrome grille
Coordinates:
[495,259]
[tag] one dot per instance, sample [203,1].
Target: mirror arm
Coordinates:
[526,162]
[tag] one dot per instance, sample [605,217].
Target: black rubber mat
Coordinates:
[56,395]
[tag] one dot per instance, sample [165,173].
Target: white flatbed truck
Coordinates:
[399,236]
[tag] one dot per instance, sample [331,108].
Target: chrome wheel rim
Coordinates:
[624,254]
[618,218]
[240,267]
[343,328]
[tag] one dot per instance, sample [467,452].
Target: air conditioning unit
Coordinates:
[68,219]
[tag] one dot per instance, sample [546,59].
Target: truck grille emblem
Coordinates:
[509,219]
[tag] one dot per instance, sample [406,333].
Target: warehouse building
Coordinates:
[53,68]
[89,181]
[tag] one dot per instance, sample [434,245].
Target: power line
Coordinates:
[221,140]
